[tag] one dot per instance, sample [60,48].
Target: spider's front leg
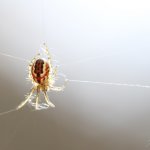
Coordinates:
[46,51]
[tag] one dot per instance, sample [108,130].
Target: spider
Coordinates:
[43,75]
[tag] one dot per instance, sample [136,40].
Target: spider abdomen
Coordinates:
[40,71]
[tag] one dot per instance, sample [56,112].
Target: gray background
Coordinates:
[87,116]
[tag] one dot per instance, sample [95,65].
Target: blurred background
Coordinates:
[95,40]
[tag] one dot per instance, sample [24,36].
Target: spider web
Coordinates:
[73,81]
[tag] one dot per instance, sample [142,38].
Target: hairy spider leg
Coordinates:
[56,88]
[47,52]
[37,98]
[47,99]
[54,70]
[27,99]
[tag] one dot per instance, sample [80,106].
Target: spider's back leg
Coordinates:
[47,99]
[27,99]
[37,99]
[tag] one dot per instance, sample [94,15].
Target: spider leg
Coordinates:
[47,52]
[52,78]
[37,99]
[27,99]
[47,99]
[56,88]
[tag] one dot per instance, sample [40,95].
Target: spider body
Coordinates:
[40,71]
[42,74]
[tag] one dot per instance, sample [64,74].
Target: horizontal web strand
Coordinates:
[110,83]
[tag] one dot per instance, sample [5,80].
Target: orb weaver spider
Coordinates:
[43,75]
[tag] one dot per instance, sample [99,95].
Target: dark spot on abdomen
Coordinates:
[39,67]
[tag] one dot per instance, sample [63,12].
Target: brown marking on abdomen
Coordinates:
[39,73]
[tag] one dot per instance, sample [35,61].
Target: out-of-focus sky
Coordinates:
[87,116]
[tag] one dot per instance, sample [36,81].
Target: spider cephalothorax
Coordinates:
[42,74]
